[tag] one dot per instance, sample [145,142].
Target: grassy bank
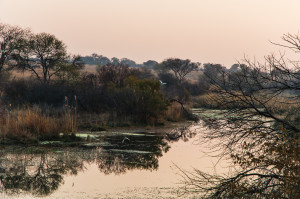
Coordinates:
[35,124]
[31,124]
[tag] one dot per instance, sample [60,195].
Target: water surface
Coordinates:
[123,164]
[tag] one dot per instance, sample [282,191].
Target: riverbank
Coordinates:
[33,125]
[92,138]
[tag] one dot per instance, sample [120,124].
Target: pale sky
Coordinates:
[215,31]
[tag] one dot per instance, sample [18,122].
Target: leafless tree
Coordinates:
[259,130]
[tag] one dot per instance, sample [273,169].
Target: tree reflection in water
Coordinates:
[40,170]
[138,152]
[39,174]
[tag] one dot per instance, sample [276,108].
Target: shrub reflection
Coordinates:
[41,170]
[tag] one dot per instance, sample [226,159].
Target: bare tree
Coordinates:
[259,130]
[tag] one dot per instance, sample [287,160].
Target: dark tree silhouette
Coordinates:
[96,59]
[179,67]
[259,130]
[115,74]
[11,39]
[45,56]
[150,64]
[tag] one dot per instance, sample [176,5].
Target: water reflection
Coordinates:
[40,174]
[127,152]
[40,170]
[182,133]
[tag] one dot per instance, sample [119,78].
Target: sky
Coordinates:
[206,31]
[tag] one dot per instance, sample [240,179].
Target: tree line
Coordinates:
[135,95]
[259,128]
[101,60]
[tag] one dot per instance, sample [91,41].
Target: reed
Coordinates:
[207,100]
[32,124]
[174,112]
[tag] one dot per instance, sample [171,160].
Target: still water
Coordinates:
[121,164]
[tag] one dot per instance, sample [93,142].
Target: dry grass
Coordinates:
[90,69]
[285,106]
[208,100]
[282,106]
[92,120]
[174,112]
[21,75]
[31,124]
[15,74]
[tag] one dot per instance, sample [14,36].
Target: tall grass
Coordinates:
[174,112]
[86,120]
[32,124]
[207,100]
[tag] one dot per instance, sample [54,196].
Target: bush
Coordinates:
[24,92]
[114,74]
[150,103]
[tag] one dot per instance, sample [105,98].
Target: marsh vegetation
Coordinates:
[55,102]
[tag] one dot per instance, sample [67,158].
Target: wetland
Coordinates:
[121,163]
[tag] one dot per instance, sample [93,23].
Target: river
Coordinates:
[121,164]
